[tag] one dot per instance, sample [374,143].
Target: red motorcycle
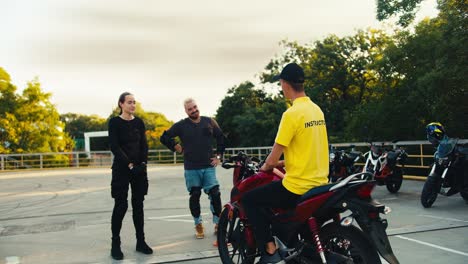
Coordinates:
[315,231]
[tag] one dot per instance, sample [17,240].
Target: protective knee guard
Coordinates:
[195,193]
[215,199]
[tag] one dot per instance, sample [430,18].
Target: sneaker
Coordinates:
[216,229]
[199,231]
[271,259]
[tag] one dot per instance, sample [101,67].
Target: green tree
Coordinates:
[341,73]
[30,123]
[434,63]
[76,124]
[249,117]
[405,9]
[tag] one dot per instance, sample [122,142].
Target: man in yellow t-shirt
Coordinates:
[302,137]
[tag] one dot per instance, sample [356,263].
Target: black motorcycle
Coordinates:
[449,173]
[342,164]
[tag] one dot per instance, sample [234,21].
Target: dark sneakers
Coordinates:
[271,259]
[142,247]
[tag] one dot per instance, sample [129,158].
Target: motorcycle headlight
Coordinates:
[332,157]
[443,161]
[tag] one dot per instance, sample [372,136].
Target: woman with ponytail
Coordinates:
[129,146]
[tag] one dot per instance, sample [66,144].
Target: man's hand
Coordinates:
[215,161]
[178,148]
[266,168]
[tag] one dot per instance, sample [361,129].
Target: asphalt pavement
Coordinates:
[63,216]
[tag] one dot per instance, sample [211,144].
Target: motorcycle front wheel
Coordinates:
[430,191]
[395,180]
[349,242]
[232,246]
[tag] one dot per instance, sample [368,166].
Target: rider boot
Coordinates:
[116,252]
[141,245]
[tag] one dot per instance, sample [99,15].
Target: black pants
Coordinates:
[256,204]
[121,180]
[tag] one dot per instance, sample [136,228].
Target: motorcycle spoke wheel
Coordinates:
[232,246]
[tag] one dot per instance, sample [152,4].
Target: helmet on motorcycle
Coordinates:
[435,132]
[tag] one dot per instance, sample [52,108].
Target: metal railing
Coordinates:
[420,156]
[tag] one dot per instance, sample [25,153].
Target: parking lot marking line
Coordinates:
[177,220]
[445,218]
[432,245]
[171,245]
[170,216]
[12,260]
[389,199]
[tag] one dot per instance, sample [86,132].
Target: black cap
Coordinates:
[291,73]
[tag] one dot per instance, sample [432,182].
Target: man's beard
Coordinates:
[194,115]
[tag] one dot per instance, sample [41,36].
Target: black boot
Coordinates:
[116,253]
[142,247]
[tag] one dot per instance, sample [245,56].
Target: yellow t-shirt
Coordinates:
[303,133]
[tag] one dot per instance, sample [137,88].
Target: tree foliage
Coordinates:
[405,9]
[249,117]
[371,85]
[29,122]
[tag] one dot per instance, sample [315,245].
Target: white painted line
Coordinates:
[389,199]
[12,260]
[445,218]
[171,216]
[434,246]
[177,220]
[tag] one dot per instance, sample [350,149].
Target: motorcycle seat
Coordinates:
[315,191]
[463,150]
[352,155]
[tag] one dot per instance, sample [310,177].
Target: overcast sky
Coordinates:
[87,52]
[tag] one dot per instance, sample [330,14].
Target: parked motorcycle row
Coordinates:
[386,165]
[338,222]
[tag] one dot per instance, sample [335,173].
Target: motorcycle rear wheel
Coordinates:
[350,242]
[395,180]
[464,194]
[232,246]
[430,191]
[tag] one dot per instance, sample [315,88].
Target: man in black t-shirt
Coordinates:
[197,134]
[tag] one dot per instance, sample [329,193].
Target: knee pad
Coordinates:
[195,193]
[214,192]
[215,197]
